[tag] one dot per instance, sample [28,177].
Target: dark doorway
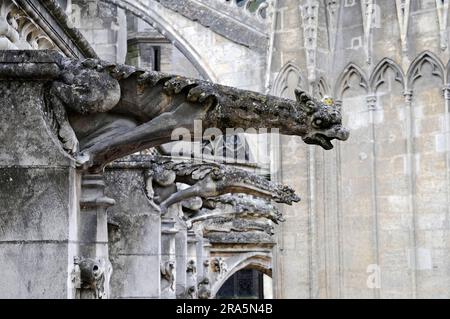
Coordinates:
[244,284]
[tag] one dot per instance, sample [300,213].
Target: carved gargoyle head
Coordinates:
[191,267]
[324,121]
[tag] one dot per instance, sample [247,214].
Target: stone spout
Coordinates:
[106,111]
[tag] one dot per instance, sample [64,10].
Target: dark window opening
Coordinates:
[157,58]
[244,284]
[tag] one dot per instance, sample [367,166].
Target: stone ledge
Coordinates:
[32,64]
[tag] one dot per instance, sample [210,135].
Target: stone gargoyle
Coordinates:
[236,206]
[106,111]
[209,180]
[236,218]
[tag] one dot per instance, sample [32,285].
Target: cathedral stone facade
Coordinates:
[374,215]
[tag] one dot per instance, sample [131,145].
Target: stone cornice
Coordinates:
[32,64]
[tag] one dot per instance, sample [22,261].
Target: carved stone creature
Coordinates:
[117,110]
[191,292]
[232,224]
[167,269]
[219,266]
[236,218]
[204,290]
[213,179]
[191,267]
[237,206]
[93,274]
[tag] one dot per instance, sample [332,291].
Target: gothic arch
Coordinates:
[138,9]
[322,88]
[377,78]
[342,83]
[415,69]
[281,81]
[259,261]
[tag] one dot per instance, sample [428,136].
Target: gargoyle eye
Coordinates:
[319,123]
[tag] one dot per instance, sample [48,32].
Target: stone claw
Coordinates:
[155,207]
[82,160]
[163,209]
[69,139]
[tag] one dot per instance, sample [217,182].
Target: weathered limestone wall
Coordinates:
[293,250]
[374,218]
[104,27]
[38,211]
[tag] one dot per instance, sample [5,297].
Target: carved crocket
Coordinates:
[116,110]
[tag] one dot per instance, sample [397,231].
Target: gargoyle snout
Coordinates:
[342,133]
[324,137]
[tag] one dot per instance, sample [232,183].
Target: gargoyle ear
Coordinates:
[301,96]
[306,102]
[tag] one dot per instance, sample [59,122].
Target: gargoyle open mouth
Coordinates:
[320,139]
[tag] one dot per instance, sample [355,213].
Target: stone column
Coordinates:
[372,107]
[200,257]
[168,258]
[93,259]
[411,167]
[181,259]
[134,231]
[203,271]
[38,185]
[191,267]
